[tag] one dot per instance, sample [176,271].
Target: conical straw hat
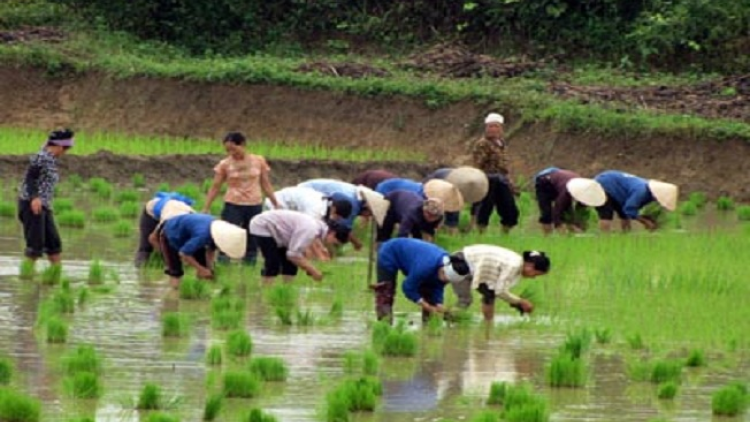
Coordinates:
[173,208]
[445,191]
[230,239]
[666,194]
[376,202]
[471,181]
[587,191]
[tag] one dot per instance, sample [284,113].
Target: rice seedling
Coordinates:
[696,359]
[163,187]
[337,309]
[636,342]
[284,315]
[305,319]
[212,407]
[688,209]
[83,385]
[666,370]
[18,407]
[667,390]
[27,269]
[151,398]
[395,342]
[105,214]
[743,213]
[52,274]
[62,205]
[6,371]
[75,180]
[370,363]
[83,296]
[161,417]
[577,343]
[242,384]
[434,326]
[122,229]
[96,272]
[57,330]
[127,195]
[497,393]
[361,394]
[521,404]
[83,359]
[7,209]
[129,210]
[640,371]
[191,190]
[239,343]
[193,289]
[226,319]
[730,400]
[72,218]
[337,407]
[269,368]
[351,362]
[486,416]
[603,335]
[257,415]
[566,370]
[175,324]
[139,181]
[725,203]
[282,296]
[63,302]
[214,355]
[97,183]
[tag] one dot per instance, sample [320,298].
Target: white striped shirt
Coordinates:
[498,268]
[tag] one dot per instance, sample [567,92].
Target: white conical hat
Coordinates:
[376,202]
[586,191]
[150,207]
[666,194]
[230,239]
[445,191]
[471,181]
[173,208]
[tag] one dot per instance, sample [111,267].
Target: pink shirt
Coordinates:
[243,179]
[292,230]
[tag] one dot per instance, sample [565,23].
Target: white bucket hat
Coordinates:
[376,202]
[665,193]
[230,239]
[471,181]
[445,191]
[494,118]
[587,191]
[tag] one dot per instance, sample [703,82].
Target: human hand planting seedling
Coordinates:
[523,307]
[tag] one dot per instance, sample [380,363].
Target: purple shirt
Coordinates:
[406,209]
[292,230]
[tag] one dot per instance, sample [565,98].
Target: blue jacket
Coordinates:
[631,192]
[337,189]
[390,185]
[190,233]
[420,262]
[164,197]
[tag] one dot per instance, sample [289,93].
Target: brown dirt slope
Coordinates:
[173,107]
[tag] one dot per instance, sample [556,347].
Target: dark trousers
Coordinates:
[172,257]
[500,197]
[385,296]
[39,231]
[274,258]
[241,215]
[385,231]
[146,226]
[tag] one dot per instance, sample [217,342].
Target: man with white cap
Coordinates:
[471,182]
[427,267]
[627,194]
[162,207]
[490,155]
[560,194]
[194,238]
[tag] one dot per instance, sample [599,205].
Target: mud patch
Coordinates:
[453,61]
[349,70]
[728,97]
[32,33]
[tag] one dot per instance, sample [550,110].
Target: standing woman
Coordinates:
[35,198]
[247,178]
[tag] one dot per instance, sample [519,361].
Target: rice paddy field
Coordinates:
[637,327]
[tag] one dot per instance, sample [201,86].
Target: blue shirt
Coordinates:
[337,189]
[420,262]
[630,191]
[391,185]
[190,233]
[165,197]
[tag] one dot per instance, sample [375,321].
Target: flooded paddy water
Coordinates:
[449,378]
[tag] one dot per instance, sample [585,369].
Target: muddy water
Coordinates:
[449,378]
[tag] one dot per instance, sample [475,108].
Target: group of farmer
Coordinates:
[296,225]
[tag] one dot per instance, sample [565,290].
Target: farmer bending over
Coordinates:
[162,207]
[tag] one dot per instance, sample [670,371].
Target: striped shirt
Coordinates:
[498,268]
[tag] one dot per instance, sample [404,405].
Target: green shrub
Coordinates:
[18,407]
[52,274]
[724,203]
[150,398]
[239,343]
[57,330]
[497,393]
[96,272]
[105,214]
[130,210]
[667,390]
[122,229]
[269,368]
[83,385]
[743,213]
[241,384]
[175,324]
[7,209]
[696,358]
[193,289]
[83,359]
[127,196]
[730,400]
[72,218]
[6,371]
[566,370]
[213,407]
[214,355]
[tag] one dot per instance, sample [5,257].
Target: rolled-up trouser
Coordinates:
[146,226]
[500,197]
[241,215]
[172,257]
[463,289]
[385,295]
[39,231]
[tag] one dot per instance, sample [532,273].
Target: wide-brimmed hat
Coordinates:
[230,239]
[452,199]
[665,193]
[472,183]
[376,202]
[587,191]
[173,208]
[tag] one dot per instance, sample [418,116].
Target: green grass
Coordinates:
[63,302]
[212,407]
[603,335]
[7,209]
[57,330]
[18,407]
[161,417]
[139,181]
[337,309]
[127,195]
[6,371]
[175,324]
[72,218]
[688,209]
[239,343]
[698,198]
[730,400]
[243,384]
[151,398]
[577,343]
[666,371]
[83,385]
[353,395]
[269,368]
[521,404]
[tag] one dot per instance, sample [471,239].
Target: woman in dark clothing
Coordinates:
[559,193]
[35,198]
[415,216]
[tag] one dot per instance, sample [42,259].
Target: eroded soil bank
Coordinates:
[96,102]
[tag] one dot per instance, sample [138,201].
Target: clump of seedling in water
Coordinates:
[27,270]
[214,355]
[498,391]
[83,385]
[52,274]
[636,342]
[57,330]
[127,196]
[239,343]
[6,371]
[257,415]
[96,272]
[242,384]
[743,213]
[305,318]
[667,390]
[269,368]
[227,312]
[283,298]
[434,326]
[521,404]
[390,341]
[213,407]
[151,398]
[129,209]
[122,229]
[18,407]
[603,335]
[688,209]
[139,181]
[193,289]
[7,209]
[161,417]
[730,400]
[724,203]
[698,198]
[666,371]
[175,324]
[354,395]
[566,370]
[696,359]
[337,308]
[62,205]
[105,214]
[83,296]
[72,218]
[83,358]
[191,190]
[101,187]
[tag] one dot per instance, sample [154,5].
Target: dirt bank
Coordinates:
[173,107]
